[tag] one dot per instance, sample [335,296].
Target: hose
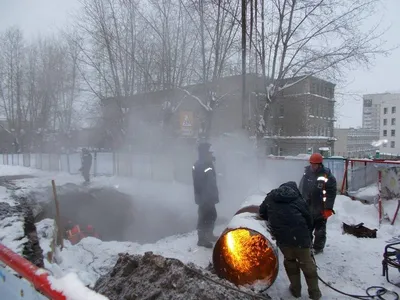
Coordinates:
[380,291]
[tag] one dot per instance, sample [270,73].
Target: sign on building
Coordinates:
[186,123]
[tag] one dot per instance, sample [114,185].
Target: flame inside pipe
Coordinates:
[244,255]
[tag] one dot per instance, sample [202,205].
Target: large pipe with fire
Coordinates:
[244,253]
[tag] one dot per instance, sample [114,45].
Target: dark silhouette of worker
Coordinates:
[318,187]
[86,164]
[205,194]
[290,223]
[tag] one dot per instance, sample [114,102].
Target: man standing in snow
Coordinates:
[318,187]
[205,194]
[290,223]
[86,164]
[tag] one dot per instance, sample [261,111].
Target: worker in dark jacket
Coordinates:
[318,187]
[290,223]
[86,164]
[205,194]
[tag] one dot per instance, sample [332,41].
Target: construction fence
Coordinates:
[141,166]
[358,173]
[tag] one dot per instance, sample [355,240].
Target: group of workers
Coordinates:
[296,215]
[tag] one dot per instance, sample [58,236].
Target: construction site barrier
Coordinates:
[382,173]
[37,277]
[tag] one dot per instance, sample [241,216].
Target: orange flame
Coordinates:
[248,257]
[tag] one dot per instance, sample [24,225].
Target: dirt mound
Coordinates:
[137,277]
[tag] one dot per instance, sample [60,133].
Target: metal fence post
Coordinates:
[95,164]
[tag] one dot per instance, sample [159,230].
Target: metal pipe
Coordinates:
[244,253]
[38,277]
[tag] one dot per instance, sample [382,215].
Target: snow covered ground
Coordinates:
[349,263]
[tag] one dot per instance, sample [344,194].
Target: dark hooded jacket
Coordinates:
[86,161]
[311,187]
[205,183]
[288,217]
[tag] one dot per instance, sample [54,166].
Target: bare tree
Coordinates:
[11,80]
[297,39]
[174,43]
[107,40]
[218,40]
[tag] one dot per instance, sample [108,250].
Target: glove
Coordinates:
[327,213]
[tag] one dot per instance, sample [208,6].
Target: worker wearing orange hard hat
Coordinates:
[318,187]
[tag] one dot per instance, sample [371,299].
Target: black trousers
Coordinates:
[207,215]
[319,231]
[86,174]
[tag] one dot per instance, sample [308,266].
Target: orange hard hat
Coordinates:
[316,158]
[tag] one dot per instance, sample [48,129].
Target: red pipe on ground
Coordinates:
[30,272]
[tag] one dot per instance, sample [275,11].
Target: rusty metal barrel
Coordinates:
[244,253]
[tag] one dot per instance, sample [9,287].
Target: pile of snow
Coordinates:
[155,277]
[9,170]
[369,193]
[73,289]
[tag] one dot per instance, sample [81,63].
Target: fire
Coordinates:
[247,257]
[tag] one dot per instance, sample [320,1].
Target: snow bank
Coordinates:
[17,170]
[73,289]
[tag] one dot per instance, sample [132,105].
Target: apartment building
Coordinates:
[380,112]
[371,118]
[390,125]
[355,142]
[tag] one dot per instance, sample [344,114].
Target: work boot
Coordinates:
[313,289]
[295,293]
[315,294]
[203,241]
[211,237]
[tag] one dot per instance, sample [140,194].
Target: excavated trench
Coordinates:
[31,249]
[116,216]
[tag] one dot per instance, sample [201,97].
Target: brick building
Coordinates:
[302,118]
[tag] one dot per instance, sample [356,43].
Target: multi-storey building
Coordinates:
[356,142]
[304,118]
[380,112]
[301,118]
[371,118]
[390,125]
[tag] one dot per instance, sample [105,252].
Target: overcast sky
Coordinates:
[46,16]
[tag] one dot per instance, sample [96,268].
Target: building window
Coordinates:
[313,88]
[392,144]
[393,132]
[385,110]
[384,122]
[393,109]
[281,110]
[393,121]
[384,145]
[385,132]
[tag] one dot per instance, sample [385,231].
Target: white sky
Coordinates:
[46,16]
